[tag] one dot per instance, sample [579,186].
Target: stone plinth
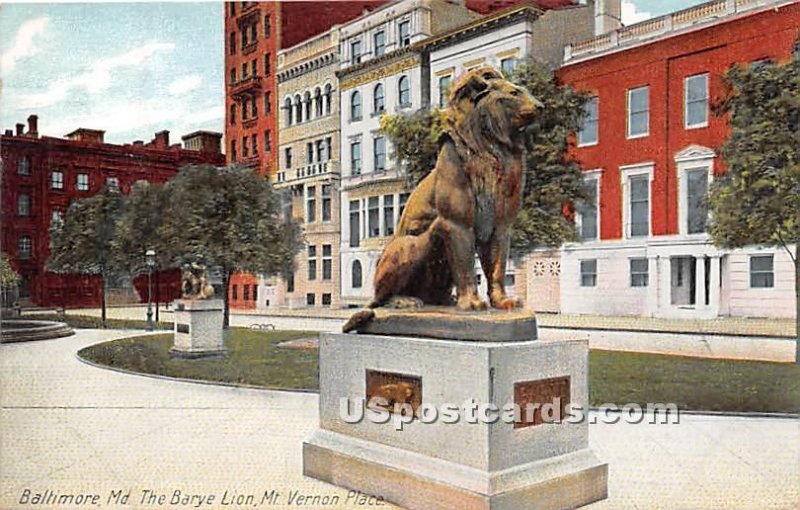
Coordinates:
[198,328]
[464,465]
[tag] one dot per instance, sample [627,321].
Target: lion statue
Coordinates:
[465,205]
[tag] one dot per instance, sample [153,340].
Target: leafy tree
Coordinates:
[138,228]
[552,179]
[8,277]
[227,218]
[757,201]
[83,242]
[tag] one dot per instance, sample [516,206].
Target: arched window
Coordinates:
[356,275]
[317,102]
[378,100]
[298,109]
[307,101]
[24,167]
[404,91]
[328,97]
[287,107]
[355,106]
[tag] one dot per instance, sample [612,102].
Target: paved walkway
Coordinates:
[71,428]
[696,342]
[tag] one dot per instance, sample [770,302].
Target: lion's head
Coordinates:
[489,113]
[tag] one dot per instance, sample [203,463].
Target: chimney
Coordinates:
[607,16]
[9,132]
[33,126]
[20,129]
[161,140]
[203,141]
[86,135]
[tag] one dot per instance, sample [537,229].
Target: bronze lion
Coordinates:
[465,205]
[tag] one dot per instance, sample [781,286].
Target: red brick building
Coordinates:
[41,175]
[649,151]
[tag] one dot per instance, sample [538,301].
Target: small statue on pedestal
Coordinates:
[194,282]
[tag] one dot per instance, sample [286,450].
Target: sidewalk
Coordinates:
[70,428]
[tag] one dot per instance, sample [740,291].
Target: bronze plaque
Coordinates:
[395,389]
[544,391]
[182,328]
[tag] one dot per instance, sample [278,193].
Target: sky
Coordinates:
[133,68]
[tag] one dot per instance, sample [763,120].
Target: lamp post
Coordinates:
[150,260]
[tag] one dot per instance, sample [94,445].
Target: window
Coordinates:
[57,217]
[355,106]
[244,110]
[639,186]
[24,245]
[326,299]
[379,148]
[638,112]
[287,111]
[588,211]
[254,68]
[244,71]
[245,147]
[311,204]
[509,281]
[267,64]
[507,65]
[310,299]
[246,293]
[232,6]
[312,263]
[233,150]
[290,282]
[589,273]
[308,105]
[588,134]
[24,166]
[255,292]
[267,141]
[56,180]
[404,92]
[267,26]
[378,99]
[696,208]
[402,204]
[253,108]
[328,148]
[355,158]
[232,114]
[254,144]
[235,292]
[328,97]
[23,205]
[298,109]
[445,82]
[355,275]
[309,152]
[373,217]
[267,103]
[245,35]
[327,261]
[380,43]
[696,101]
[232,43]
[326,202]
[762,275]
[355,53]
[404,33]
[287,157]
[639,272]
[232,76]
[388,215]
[355,222]
[796,52]
[112,182]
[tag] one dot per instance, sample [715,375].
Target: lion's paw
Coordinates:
[507,304]
[471,303]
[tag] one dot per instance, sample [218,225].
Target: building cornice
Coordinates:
[482,26]
[379,69]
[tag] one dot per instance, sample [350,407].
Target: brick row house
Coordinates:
[649,150]
[41,175]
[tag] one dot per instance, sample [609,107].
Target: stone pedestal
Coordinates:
[198,328]
[463,465]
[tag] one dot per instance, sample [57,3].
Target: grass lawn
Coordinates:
[615,377]
[90,322]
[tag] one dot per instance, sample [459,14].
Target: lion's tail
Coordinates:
[358,320]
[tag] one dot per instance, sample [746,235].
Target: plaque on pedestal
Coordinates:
[529,462]
[198,328]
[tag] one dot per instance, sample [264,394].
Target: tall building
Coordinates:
[254,33]
[384,69]
[41,175]
[649,149]
[308,168]
[502,40]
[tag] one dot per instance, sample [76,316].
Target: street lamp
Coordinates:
[150,260]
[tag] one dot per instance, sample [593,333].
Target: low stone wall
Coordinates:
[30,330]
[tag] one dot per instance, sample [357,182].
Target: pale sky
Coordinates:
[132,68]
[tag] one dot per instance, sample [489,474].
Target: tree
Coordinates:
[138,228]
[757,201]
[83,242]
[552,179]
[8,281]
[227,218]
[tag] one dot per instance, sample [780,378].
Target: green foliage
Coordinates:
[138,228]
[758,200]
[8,277]
[552,180]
